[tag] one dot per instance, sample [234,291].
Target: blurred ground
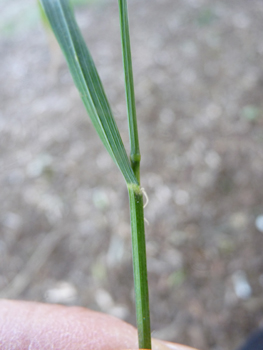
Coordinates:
[64,219]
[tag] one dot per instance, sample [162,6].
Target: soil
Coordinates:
[64,222]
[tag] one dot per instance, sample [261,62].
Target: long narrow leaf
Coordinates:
[86,78]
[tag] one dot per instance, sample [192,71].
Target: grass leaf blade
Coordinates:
[86,78]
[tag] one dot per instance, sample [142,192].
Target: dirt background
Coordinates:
[64,217]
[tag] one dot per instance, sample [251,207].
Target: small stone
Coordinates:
[259,223]
[119,311]
[251,113]
[16,177]
[167,116]
[174,258]
[62,292]
[181,197]
[100,199]
[212,159]
[104,300]
[38,165]
[239,220]
[115,252]
[163,194]
[241,21]
[103,161]
[242,287]
[98,270]
[261,280]
[12,221]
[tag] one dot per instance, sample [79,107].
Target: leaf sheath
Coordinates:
[140,266]
[135,155]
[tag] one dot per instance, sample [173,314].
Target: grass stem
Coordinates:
[140,266]
[135,155]
[135,193]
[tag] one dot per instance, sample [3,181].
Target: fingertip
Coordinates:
[25,325]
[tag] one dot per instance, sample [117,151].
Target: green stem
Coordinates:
[135,155]
[140,266]
[135,193]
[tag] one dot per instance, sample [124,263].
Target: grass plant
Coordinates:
[60,16]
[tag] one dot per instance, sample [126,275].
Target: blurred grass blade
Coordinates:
[135,155]
[86,78]
[43,16]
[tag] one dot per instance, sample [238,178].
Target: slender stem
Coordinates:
[135,155]
[135,193]
[140,266]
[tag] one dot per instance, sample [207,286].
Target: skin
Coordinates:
[35,326]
